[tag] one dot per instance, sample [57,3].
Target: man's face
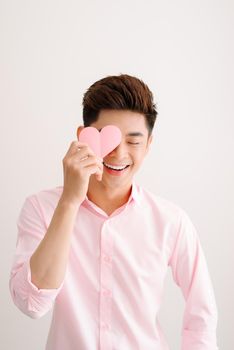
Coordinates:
[132,149]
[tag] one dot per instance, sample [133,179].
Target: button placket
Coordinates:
[106,292]
[105,326]
[107,258]
[106,284]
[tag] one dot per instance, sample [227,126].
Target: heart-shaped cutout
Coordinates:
[102,142]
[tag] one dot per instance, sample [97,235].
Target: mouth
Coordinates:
[115,169]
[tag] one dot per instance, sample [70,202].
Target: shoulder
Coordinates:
[162,208]
[49,195]
[169,216]
[167,210]
[160,204]
[43,202]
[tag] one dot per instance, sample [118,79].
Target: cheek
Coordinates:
[138,157]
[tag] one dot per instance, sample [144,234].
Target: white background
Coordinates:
[51,52]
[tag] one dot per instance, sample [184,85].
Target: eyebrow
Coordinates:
[135,133]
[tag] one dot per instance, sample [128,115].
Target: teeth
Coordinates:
[115,167]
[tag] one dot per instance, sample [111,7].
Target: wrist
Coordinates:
[69,203]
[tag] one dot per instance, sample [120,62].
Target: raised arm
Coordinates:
[41,256]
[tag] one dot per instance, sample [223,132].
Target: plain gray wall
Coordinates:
[51,52]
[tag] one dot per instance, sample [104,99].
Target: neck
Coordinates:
[108,198]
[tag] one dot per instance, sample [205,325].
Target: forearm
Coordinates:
[48,262]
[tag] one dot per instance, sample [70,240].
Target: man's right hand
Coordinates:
[78,164]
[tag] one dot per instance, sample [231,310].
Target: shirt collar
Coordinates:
[134,195]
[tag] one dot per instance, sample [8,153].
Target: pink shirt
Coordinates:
[114,282]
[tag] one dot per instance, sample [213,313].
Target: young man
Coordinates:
[98,248]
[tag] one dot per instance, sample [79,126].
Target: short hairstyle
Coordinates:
[119,92]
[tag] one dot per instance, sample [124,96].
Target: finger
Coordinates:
[99,176]
[88,164]
[81,152]
[75,146]
[92,160]
[99,173]
[93,169]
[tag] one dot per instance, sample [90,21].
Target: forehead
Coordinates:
[130,123]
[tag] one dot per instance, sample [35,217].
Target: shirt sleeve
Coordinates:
[190,273]
[31,300]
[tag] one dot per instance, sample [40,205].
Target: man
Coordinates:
[98,248]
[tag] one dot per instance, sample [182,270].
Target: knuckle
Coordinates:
[89,150]
[73,165]
[82,144]
[86,147]
[69,163]
[74,143]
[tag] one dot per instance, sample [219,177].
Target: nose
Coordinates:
[120,151]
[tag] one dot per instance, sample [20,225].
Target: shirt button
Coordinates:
[106,292]
[107,258]
[105,326]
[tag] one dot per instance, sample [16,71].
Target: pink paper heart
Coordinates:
[102,142]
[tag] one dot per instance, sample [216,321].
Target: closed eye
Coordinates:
[134,143]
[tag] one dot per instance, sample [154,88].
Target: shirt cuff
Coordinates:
[46,292]
[28,297]
[199,340]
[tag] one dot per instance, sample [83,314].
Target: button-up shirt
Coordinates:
[114,281]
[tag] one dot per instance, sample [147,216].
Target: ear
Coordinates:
[81,127]
[148,143]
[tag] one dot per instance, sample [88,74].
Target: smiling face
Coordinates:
[130,152]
